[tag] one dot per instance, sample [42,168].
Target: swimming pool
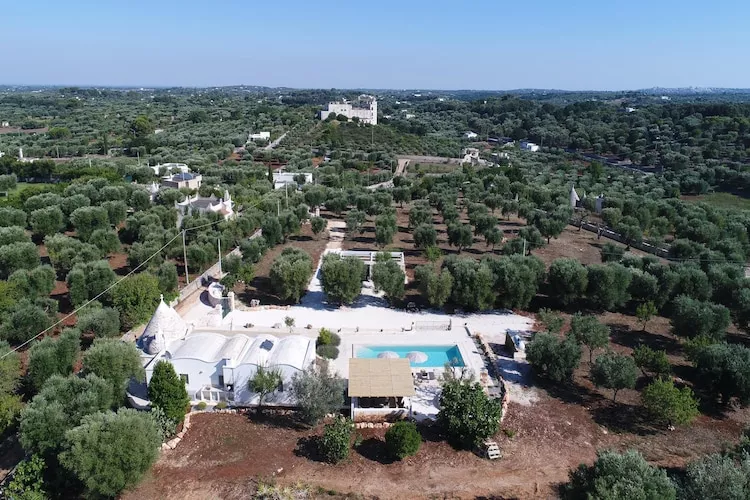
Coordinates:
[435,356]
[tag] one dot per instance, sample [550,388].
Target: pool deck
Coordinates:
[351,342]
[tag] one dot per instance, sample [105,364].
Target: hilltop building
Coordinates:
[167,168]
[365,108]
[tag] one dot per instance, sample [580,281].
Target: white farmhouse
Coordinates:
[260,136]
[365,108]
[200,205]
[217,367]
[529,146]
[282,179]
[471,135]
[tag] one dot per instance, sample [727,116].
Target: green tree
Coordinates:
[10,409]
[649,360]
[668,404]
[28,480]
[52,356]
[402,440]
[167,391]
[46,221]
[86,220]
[551,320]
[435,287]
[19,255]
[167,276]
[318,224]
[718,477]
[516,279]
[588,331]
[472,283]
[105,240]
[10,368]
[290,274]
[694,318]
[467,415]
[99,322]
[614,476]
[264,382]
[272,232]
[354,221]
[644,312]
[135,298]
[388,277]
[318,392]
[111,451]
[614,371]
[608,286]
[459,236]
[568,280]
[341,279]
[290,224]
[424,236]
[335,443]
[25,322]
[552,357]
[87,281]
[38,282]
[725,368]
[114,361]
[59,407]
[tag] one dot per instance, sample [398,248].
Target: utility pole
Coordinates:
[278,207]
[524,247]
[218,240]
[286,193]
[184,258]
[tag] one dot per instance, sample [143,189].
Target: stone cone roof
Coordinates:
[164,327]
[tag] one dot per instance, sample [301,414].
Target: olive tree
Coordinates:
[341,279]
[290,274]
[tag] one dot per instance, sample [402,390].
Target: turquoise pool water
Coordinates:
[437,355]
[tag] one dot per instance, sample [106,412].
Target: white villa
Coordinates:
[169,167]
[365,108]
[260,136]
[282,179]
[529,146]
[212,204]
[217,366]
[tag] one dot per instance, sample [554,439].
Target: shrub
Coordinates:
[403,440]
[327,337]
[28,480]
[221,405]
[649,360]
[336,440]
[10,409]
[167,425]
[202,405]
[327,351]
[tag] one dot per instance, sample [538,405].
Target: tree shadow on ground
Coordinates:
[622,417]
[275,419]
[309,447]
[568,392]
[621,334]
[374,449]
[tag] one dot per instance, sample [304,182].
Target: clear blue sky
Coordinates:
[483,44]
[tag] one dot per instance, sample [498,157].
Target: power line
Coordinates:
[15,349]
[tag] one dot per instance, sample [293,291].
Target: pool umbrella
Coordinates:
[417,357]
[388,355]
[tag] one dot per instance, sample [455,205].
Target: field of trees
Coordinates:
[85,253]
